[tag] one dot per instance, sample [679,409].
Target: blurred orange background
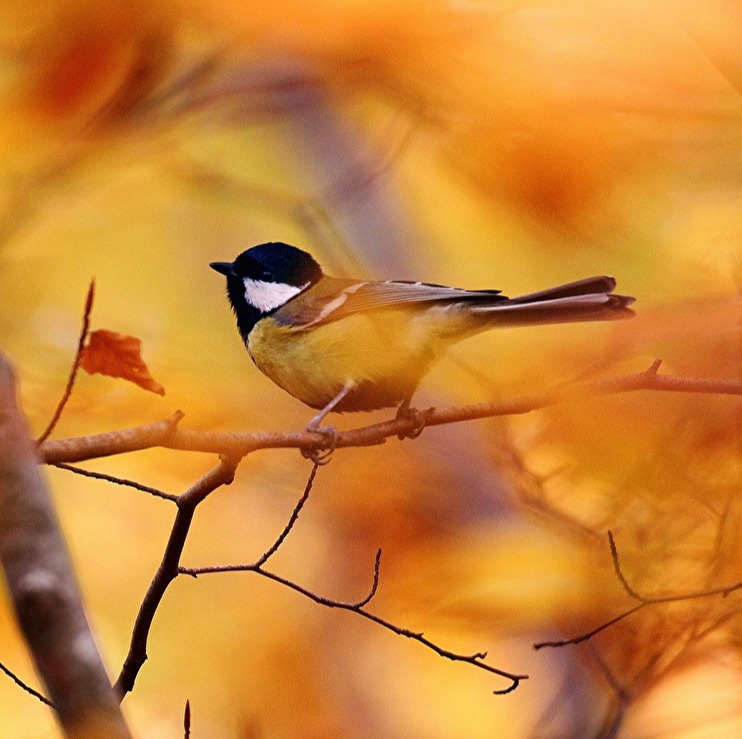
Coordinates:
[508,145]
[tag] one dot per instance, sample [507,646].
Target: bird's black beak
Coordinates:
[224,267]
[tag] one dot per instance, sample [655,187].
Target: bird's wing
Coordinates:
[333,299]
[392,294]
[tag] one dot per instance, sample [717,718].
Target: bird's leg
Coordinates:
[419,418]
[314,424]
[328,431]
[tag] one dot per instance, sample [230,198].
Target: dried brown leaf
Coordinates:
[116,355]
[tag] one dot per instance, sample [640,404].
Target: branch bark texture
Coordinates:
[43,586]
[220,475]
[167,434]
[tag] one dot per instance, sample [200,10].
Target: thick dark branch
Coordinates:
[43,586]
[358,608]
[166,434]
[220,475]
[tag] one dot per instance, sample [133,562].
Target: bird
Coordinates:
[359,345]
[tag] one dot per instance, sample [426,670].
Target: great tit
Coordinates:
[357,345]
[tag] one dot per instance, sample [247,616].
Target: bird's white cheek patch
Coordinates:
[267,296]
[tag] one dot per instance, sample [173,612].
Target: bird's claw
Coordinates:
[419,421]
[321,456]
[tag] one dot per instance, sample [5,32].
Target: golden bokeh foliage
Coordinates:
[508,145]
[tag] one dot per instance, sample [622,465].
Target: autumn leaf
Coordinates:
[116,355]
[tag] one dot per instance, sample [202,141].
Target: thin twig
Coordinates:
[619,574]
[239,444]
[75,365]
[590,634]
[374,585]
[358,608]
[157,493]
[292,519]
[25,686]
[724,591]
[643,601]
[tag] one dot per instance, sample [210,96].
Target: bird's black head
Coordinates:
[264,278]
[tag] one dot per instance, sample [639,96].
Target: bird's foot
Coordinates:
[321,456]
[419,420]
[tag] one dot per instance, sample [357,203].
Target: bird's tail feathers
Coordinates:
[591,299]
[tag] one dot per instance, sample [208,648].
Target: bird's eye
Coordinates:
[266,275]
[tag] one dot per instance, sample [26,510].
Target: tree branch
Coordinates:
[357,607]
[234,446]
[110,443]
[220,475]
[292,518]
[643,601]
[155,492]
[43,586]
[75,365]
[166,434]
[25,686]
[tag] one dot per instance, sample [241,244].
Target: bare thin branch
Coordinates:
[292,518]
[75,364]
[374,585]
[25,686]
[239,444]
[619,573]
[643,601]
[157,493]
[590,634]
[724,591]
[358,608]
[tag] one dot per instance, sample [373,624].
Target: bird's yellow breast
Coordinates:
[383,354]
